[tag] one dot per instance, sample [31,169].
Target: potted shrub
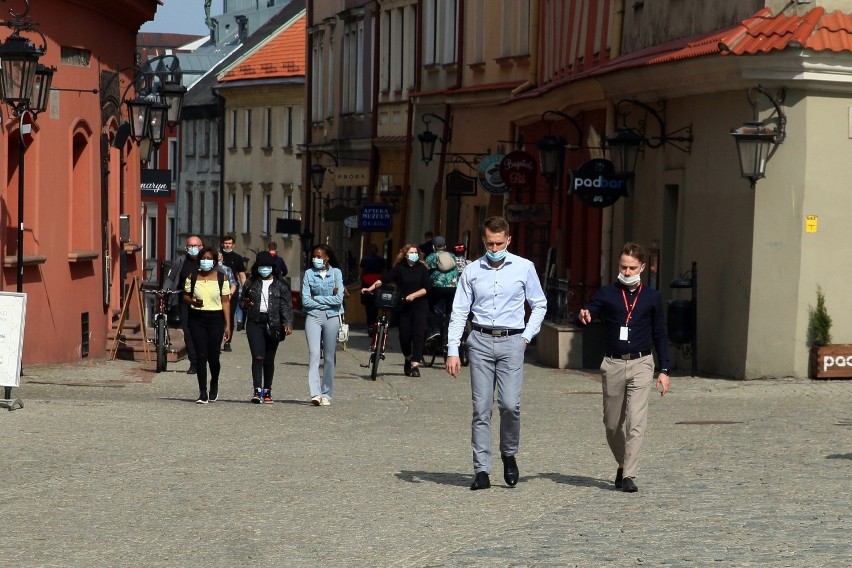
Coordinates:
[828,360]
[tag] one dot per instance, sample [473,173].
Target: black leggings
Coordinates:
[412,329]
[207,329]
[263,352]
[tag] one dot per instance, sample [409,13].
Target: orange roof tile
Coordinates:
[281,56]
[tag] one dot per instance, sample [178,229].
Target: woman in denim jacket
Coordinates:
[322,300]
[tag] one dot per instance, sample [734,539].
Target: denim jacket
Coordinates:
[317,292]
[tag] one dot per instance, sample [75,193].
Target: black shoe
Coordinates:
[202,398]
[619,473]
[414,372]
[226,347]
[257,398]
[407,368]
[241,326]
[510,470]
[191,370]
[214,395]
[481,481]
[628,486]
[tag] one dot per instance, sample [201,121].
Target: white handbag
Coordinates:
[343,332]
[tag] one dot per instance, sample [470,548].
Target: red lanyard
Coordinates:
[630,308]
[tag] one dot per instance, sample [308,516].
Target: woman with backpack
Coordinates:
[268,306]
[208,294]
[412,280]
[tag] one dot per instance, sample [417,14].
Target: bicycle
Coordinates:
[386,300]
[161,339]
[438,345]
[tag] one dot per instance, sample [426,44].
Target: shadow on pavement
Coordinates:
[439,478]
[577,480]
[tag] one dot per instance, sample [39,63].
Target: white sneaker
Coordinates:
[324,402]
[316,401]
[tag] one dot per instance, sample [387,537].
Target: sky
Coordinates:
[182,17]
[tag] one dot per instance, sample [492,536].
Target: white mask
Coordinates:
[629,281]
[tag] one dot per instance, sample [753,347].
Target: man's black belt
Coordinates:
[497,332]
[628,356]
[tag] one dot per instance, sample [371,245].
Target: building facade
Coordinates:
[80,180]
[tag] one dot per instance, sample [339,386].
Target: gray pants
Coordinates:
[321,333]
[626,386]
[495,361]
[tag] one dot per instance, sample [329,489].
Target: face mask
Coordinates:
[318,263]
[227,249]
[413,257]
[629,281]
[206,264]
[497,256]
[192,251]
[264,271]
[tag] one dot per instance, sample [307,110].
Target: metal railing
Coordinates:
[565,299]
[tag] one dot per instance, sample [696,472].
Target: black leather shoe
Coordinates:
[241,326]
[414,372]
[191,370]
[510,470]
[226,348]
[406,368]
[628,486]
[619,476]
[482,481]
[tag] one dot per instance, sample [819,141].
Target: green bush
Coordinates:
[820,321]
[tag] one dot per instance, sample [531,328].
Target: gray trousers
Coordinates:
[321,333]
[626,386]
[495,361]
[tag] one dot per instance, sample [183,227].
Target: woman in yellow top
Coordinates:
[208,293]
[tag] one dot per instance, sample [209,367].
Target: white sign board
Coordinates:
[13,315]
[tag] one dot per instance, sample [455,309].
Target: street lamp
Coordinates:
[428,138]
[41,87]
[18,59]
[626,143]
[551,148]
[756,142]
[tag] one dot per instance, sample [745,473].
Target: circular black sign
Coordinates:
[597,185]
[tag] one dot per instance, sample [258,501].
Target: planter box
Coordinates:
[832,361]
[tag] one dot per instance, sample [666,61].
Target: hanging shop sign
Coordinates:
[489,175]
[351,222]
[459,184]
[156,183]
[375,217]
[528,213]
[517,170]
[348,177]
[597,185]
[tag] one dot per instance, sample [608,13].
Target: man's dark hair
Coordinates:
[634,250]
[496,224]
[229,238]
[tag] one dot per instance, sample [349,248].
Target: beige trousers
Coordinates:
[626,387]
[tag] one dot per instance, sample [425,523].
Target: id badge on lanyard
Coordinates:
[624,331]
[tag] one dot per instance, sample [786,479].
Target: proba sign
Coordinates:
[597,185]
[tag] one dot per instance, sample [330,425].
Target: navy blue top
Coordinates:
[647,327]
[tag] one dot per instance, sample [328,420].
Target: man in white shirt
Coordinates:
[494,288]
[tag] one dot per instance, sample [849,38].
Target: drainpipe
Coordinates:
[448,112]
[616,30]
[220,135]
[374,152]
[535,30]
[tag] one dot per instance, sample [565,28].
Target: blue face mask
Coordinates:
[318,263]
[264,271]
[497,256]
[206,264]
[413,257]
[192,251]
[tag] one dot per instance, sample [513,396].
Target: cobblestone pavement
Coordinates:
[110,464]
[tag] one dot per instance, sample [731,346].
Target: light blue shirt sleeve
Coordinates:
[496,298]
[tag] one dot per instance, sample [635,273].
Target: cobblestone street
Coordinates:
[110,464]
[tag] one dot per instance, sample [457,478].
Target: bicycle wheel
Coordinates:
[430,351]
[377,354]
[161,344]
[463,354]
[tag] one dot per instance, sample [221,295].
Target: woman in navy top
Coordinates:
[413,282]
[322,300]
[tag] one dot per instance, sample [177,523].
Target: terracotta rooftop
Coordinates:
[282,56]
